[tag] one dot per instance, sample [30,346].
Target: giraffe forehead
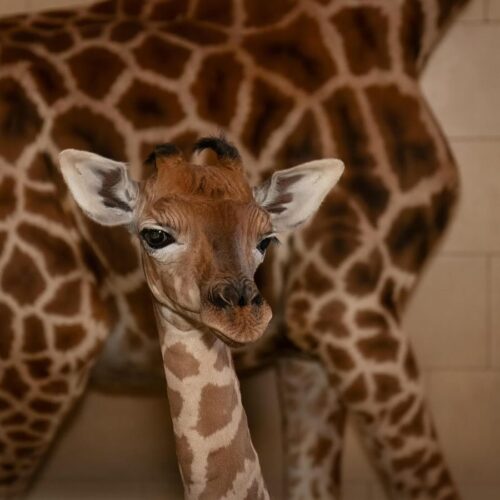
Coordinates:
[200,182]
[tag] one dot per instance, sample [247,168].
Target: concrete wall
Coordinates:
[119,447]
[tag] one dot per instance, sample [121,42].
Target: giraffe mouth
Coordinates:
[237,326]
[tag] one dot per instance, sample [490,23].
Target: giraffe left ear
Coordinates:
[100,186]
[293,195]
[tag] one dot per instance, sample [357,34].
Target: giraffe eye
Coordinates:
[156,238]
[262,246]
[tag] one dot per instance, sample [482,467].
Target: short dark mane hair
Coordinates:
[222,148]
[166,149]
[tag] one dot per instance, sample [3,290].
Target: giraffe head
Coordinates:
[203,229]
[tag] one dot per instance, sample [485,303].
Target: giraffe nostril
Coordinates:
[237,294]
[257,300]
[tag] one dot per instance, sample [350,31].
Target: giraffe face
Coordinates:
[203,229]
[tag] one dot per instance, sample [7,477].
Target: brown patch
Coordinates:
[297,310]
[125,31]
[388,299]
[41,425]
[410,147]
[222,360]
[364,31]
[107,240]
[416,426]
[167,10]
[410,365]
[351,138]
[340,358]
[263,12]
[409,462]
[55,387]
[44,204]
[34,335]
[22,436]
[15,419]
[48,80]
[381,346]
[175,401]
[42,167]
[181,362]
[235,453]
[411,239]
[141,306]
[21,278]
[216,88]
[330,319]
[320,450]
[13,384]
[81,128]
[7,197]
[356,392]
[295,51]
[369,192]
[303,144]
[162,57]
[411,34]
[146,105]
[197,33]
[215,11]
[58,255]
[67,337]
[447,8]
[315,282]
[386,387]
[253,491]
[444,480]
[7,332]
[217,404]
[55,42]
[401,409]
[363,277]
[39,368]
[267,113]
[336,227]
[66,300]
[184,455]
[20,122]
[44,405]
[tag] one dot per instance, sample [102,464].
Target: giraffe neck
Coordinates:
[214,449]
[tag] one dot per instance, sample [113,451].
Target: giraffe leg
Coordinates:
[313,427]
[373,369]
[46,356]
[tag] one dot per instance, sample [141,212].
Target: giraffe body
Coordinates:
[308,79]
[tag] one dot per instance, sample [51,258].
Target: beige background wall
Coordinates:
[120,447]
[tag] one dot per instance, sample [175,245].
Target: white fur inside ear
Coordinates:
[100,186]
[292,196]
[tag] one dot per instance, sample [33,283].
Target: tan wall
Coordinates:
[121,447]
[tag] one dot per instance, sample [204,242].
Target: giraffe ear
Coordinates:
[293,195]
[101,187]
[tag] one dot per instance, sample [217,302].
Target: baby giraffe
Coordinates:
[203,233]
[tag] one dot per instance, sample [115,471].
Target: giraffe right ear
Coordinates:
[101,187]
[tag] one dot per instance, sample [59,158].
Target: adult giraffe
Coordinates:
[289,81]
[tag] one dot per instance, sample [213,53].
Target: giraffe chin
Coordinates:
[237,326]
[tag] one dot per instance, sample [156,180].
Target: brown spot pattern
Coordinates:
[363,277]
[7,332]
[268,111]
[34,335]
[20,122]
[296,52]
[409,145]
[161,56]
[356,392]
[146,105]
[217,404]
[66,300]
[330,319]
[67,337]
[262,12]
[13,384]
[386,387]
[180,362]
[216,89]
[340,358]
[21,278]
[7,197]
[364,30]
